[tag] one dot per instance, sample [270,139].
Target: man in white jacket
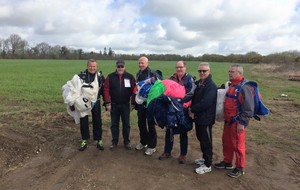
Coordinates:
[82,95]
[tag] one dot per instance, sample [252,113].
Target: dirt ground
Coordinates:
[39,150]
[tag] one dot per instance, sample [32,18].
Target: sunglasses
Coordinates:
[202,71]
[120,66]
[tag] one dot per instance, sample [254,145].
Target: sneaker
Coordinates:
[83,145]
[236,172]
[200,161]
[150,151]
[164,156]
[100,145]
[223,165]
[181,159]
[113,146]
[203,169]
[127,146]
[140,146]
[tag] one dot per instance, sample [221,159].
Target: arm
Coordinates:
[106,92]
[247,104]
[190,88]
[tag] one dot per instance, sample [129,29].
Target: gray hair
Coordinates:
[91,61]
[239,68]
[204,64]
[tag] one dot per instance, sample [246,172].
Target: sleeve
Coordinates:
[190,88]
[247,104]
[133,84]
[106,91]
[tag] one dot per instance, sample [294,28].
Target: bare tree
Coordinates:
[43,49]
[15,45]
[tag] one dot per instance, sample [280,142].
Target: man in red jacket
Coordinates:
[234,131]
[118,90]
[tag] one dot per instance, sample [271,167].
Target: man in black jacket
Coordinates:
[204,108]
[118,89]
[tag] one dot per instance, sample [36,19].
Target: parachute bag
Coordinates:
[259,108]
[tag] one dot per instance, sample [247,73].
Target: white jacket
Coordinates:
[82,98]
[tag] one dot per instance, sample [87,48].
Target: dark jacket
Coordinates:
[147,73]
[204,102]
[115,90]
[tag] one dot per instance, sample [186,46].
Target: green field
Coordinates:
[37,84]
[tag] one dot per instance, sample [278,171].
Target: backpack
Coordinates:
[259,108]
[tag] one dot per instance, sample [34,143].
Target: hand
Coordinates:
[191,114]
[132,107]
[240,128]
[72,108]
[108,107]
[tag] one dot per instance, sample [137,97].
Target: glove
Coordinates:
[72,108]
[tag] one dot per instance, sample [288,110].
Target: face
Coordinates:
[233,73]
[143,63]
[180,68]
[120,69]
[203,71]
[92,67]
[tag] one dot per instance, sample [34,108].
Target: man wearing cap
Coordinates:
[118,90]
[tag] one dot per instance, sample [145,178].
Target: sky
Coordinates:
[184,27]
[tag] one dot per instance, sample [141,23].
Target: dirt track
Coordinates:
[39,151]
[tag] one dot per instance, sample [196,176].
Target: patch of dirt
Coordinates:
[39,151]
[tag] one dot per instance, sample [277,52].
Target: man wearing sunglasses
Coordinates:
[118,90]
[204,110]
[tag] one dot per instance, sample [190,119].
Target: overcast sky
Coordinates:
[156,26]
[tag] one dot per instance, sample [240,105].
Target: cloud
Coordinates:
[153,26]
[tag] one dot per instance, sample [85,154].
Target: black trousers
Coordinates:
[117,111]
[97,124]
[204,135]
[147,131]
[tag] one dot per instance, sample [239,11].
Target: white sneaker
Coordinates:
[140,146]
[150,151]
[200,161]
[203,169]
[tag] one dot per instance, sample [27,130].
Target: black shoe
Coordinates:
[128,146]
[83,145]
[100,145]
[223,165]
[236,172]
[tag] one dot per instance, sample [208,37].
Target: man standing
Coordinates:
[204,108]
[118,89]
[148,135]
[186,80]
[83,95]
[234,131]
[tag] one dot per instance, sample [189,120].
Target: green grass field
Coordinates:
[37,84]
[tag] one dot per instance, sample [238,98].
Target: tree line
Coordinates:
[14,47]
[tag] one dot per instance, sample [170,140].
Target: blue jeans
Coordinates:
[120,111]
[169,141]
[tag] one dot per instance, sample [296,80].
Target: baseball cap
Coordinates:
[120,63]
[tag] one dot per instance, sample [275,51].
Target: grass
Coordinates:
[35,85]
